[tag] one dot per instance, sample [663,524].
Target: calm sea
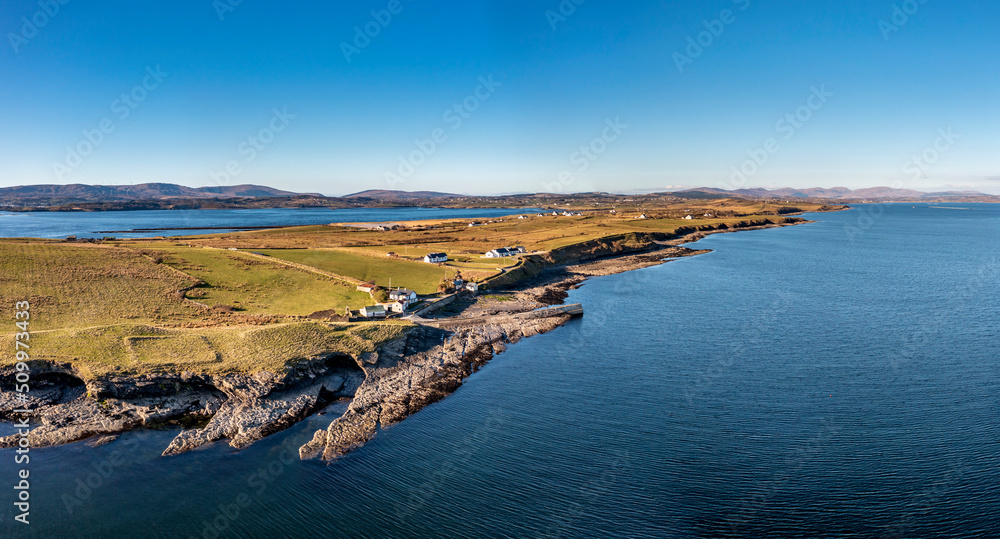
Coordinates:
[149,223]
[836,379]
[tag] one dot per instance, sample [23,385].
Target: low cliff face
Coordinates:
[240,407]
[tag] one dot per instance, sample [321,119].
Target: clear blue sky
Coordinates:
[897,80]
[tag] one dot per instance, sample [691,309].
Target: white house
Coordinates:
[688,217]
[501,253]
[472,287]
[373,311]
[396,306]
[435,258]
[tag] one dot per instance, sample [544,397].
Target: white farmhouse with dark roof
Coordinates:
[501,252]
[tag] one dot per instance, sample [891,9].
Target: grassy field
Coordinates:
[109,309]
[86,285]
[125,349]
[257,286]
[420,277]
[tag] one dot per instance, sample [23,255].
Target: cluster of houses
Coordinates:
[477,223]
[505,252]
[459,285]
[399,301]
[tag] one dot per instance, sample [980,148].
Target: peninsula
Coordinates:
[236,336]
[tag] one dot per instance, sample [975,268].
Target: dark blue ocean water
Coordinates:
[836,379]
[112,223]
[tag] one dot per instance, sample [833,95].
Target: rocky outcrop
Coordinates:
[239,407]
[251,414]
[66,414]
[418,370]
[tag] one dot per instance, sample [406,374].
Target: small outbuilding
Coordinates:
[373,311]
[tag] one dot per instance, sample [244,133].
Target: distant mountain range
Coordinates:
[77,197]
[832,193]
[143,191]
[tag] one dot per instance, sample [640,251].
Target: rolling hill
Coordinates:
[142,191]
[832,193]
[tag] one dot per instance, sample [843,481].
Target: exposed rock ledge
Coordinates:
[241,408]
[418,370]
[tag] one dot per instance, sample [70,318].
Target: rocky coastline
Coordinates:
[423,366]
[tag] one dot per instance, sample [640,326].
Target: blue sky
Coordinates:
[577,95]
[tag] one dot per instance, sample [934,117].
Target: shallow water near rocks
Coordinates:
[807,381]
